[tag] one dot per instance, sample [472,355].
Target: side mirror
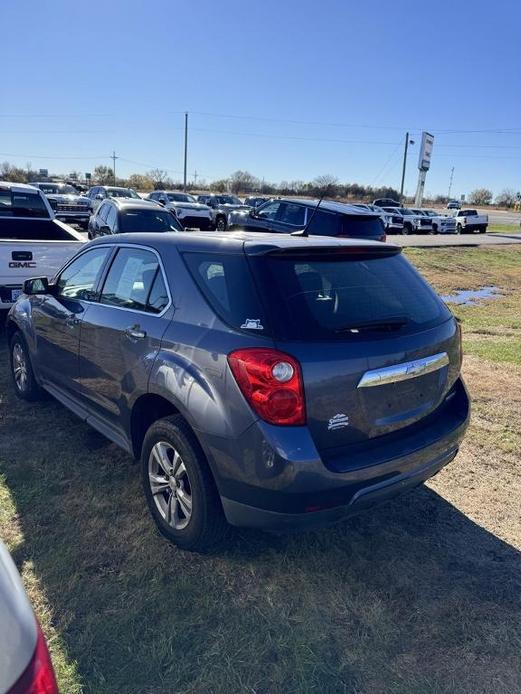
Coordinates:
[104,229]
[99,196]
[36,285]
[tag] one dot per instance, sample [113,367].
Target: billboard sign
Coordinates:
[43,172]
[424,162]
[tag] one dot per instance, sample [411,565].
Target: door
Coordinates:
[57,318]
[290,217]
[122,333]
[264,217]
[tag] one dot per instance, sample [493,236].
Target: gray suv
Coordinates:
[262,379]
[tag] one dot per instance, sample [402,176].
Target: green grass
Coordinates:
[413,597]
[492,328]
[505,228]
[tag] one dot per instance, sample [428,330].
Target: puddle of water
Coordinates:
[470,297]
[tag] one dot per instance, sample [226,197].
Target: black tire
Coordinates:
[22,376]
[220,223]
[406,229]
[434,229]
[207,526]
[482,230]
[458,228]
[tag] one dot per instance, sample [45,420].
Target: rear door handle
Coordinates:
[134,332]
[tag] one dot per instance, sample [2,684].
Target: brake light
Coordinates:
[271,382]
[38,677]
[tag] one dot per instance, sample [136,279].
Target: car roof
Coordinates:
[236,241]
[329,205]
[134,203]
[17,187]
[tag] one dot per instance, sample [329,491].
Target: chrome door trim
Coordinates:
[402,372]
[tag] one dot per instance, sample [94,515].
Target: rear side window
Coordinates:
[227,284]
[327,298]
[33,230]
[323,223]
[131,279]
[17,204]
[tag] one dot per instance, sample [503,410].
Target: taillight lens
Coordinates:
[271,382]
[38,677]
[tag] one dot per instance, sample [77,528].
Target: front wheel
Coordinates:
[406,229]
[220,224]
[22,373]
[179,487]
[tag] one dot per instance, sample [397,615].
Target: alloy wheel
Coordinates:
[170,485]
[20,371]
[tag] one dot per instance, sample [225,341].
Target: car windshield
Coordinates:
[148,220]
[180,197]
[122,193]
[228,200]
[329,296]
[22,204]
[50,189]
[405,210]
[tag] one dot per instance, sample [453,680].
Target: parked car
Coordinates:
[263,380]
[67,203]
[124,215]
[469,221]
[386,202]
[453,205]
[441,223]
[32,241]
[25,664]
[222,206]
[287,215]
[97,194]
[393,223]
[255,200]
[190,213]
[412,223]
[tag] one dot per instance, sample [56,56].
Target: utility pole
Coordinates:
[450,182]
[114,157]
[186,150]
[407,143]
[195,178]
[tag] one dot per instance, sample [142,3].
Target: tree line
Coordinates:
[246,183]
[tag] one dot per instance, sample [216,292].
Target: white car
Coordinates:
[412,223]
[32,241]
[470,221]
[441,223]
[25,664]
[190,213]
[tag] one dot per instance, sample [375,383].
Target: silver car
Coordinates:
[25,664]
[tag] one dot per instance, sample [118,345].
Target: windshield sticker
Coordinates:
[338,422]
[252,324]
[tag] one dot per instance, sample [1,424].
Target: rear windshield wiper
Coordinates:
[379,324]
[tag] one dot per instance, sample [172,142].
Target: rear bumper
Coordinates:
[373,494]
[274,477]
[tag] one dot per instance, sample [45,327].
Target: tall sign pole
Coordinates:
[114,157]
[186,150]
[404,164]
[424,164]
[450,182]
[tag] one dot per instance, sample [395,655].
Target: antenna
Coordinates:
[304,231]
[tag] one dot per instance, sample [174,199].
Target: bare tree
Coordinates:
[481,196]
[506,198]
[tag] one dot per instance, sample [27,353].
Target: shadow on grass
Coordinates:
[412,597]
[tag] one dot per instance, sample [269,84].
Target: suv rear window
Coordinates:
[227,284]
[331,224]
[327,297]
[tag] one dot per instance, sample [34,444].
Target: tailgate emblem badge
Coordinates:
[338,422]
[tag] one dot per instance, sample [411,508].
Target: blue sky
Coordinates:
[286,90]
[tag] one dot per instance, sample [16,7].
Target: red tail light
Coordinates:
[271,382]
[38,676]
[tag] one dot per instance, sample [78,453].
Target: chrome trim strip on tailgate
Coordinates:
[402,372]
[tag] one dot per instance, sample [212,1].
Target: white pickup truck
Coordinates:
[32,242]
[469,221]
